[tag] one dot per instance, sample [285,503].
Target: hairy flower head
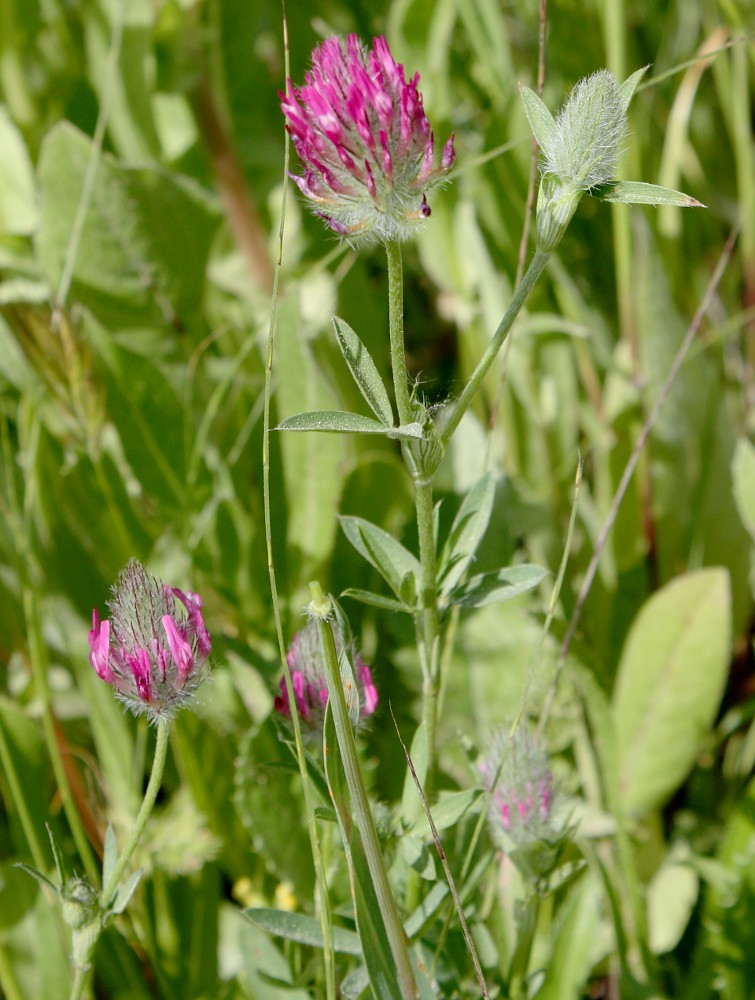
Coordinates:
[154,646]
[516,769]
[365,144]
[305,662]
[590,134]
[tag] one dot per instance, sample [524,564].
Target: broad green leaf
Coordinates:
[743,473]
[669,685]
[502,585]
[301,928]
[394,563]
[541,121]
[671,898]
[642,193]
[146,236]
[18,209]
[467,530]
[628,87]
[364,371]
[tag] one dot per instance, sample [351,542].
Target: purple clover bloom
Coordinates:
[153,648]
[310,686]
[364,141]
[519,774]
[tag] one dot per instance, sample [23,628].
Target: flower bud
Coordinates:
[153,649]
[305,662]
[590,133]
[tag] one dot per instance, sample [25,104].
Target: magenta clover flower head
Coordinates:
[305,662]
[154,647]
[364,141]
[521,807]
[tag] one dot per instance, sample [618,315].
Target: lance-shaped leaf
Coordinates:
[398,567]
[542,122]
[364,371]
[628,87]
[342,422]
[301,928]
[469,525]
[641,193]
[502,585]
[376,600]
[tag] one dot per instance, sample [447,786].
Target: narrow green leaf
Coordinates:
[640,193]
[126,891]
[376,949]
[109,854]
[42,879]
[502,585]
[628,87]
[447,811]
[541,121]
[332,421]
[305,930]
[426,910]
[376,600]
[415,855]
[394,563]
[467,530]
[670,680]
[364,371]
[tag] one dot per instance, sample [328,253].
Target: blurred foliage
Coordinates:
[141,173]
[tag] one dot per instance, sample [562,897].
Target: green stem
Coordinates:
[321,608]
[396,327]
[430,616]
[533,272]
[109,890]
[155,780]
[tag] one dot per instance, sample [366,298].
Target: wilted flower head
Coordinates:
[153,648]
[364,141]
[305,662]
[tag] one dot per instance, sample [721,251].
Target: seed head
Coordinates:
[365,144]
[153,648]
[305,662]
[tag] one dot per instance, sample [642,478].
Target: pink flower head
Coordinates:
[518,772]
[153,649]
[310,687]
[365,144]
